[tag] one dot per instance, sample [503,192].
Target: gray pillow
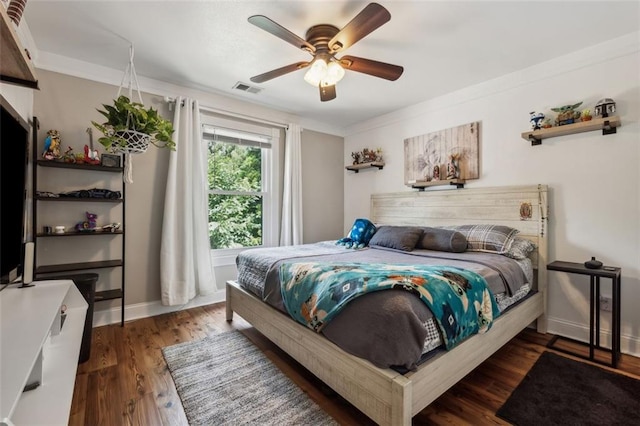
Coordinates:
[442,240]
[396,237]
[520,248]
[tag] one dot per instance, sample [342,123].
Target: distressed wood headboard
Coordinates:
[521,207]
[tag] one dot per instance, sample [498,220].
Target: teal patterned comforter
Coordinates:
[461,302]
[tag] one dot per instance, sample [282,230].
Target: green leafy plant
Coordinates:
[126,115]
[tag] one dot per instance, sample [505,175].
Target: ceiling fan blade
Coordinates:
[279,31]
[279,71]
[327,93]
[369,19]
[371,67]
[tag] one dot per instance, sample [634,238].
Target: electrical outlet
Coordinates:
[605,304]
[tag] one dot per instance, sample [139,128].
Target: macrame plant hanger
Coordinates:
[137,142]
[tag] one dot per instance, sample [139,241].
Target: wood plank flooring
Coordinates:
[126,380]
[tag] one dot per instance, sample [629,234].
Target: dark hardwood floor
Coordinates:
[126,381]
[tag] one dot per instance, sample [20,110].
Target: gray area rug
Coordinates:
[225,379]
[561,391]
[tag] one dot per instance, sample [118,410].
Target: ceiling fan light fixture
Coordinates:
[335,73]
[317,72]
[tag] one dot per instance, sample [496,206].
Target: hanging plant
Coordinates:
[130,127]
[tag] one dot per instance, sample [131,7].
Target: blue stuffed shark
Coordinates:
[361,232]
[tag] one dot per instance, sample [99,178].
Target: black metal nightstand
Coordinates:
[594,317]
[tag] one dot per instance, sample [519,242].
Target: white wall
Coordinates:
[593,179]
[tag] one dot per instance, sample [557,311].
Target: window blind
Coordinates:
[220,134]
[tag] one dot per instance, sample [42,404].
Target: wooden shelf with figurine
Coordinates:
[570,121]
[366,159]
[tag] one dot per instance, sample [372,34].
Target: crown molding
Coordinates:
[602,52]
[206,96]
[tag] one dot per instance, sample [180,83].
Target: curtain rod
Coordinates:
[233,114]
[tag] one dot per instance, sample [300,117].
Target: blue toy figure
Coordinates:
[536,120]
[360,235]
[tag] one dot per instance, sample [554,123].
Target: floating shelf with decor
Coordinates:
[606,124]
[421,185]
[357,167]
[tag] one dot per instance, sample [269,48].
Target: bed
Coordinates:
[387,396]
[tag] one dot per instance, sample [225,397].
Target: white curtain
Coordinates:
[185,264]
[291,226]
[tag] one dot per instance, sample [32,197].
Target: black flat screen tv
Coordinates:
[14,145]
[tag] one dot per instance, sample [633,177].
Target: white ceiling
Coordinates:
[442,45]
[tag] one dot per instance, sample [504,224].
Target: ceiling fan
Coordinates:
[323,42]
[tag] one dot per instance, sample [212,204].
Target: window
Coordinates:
[241,182]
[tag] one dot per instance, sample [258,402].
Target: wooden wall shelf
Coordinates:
[15,65]
[357,167]
[458,183]
[606,124]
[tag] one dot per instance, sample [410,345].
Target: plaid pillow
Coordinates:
[520,249]
[488,238]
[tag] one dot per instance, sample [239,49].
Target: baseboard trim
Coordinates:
[150,309]
[628,344]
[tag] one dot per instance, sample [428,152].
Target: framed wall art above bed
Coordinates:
[451,153]
[389,396]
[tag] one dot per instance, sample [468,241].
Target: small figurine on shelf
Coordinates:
[52,145]
[585,115]
[68,156]
[453,170]
[604,107]
[535,118]
[112,227]
[368,156]
[88,225]
[436,172]
[379,155]
[357,157]
[567,114]
[547,124]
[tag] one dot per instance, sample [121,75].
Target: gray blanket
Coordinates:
[394,319]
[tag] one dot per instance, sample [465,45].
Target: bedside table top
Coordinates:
[579,268]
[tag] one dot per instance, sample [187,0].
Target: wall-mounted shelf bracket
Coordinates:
[534,141]
[607,128]
[421,186]
[356,167]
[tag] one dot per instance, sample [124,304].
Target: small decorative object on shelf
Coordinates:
[586,115]
[453,168]
[605,107]
[593,264]
[112,227]
[110,160]
[88,225]
[567,114]
[367,156]
[436,172]
[535,118]
[52,145]
[68,156]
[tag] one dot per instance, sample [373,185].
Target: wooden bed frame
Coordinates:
[388,397]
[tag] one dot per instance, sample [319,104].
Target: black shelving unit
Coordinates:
[40,271]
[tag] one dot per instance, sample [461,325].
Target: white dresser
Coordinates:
[33,348]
